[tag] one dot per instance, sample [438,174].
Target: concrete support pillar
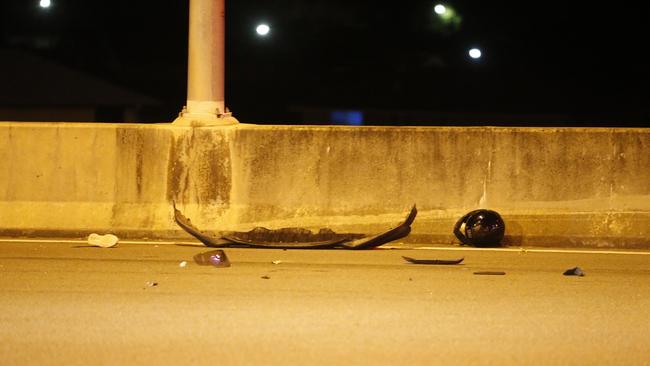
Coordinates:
[205,66]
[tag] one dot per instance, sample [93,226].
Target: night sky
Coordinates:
[543,63]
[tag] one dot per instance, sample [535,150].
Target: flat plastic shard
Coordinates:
[433,261]
[576,271]
[104,241]
[490,273]
[215,258]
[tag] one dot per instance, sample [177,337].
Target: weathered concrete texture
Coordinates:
[99,177]
[573,186]
[554,186]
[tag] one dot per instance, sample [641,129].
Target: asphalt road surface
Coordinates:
[67,303]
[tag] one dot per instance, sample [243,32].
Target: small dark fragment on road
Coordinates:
[490,273]
[576,271]
[433,261]
[265,277]
[150,284]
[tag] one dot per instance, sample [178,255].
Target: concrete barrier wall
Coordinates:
[554,186]
[59,177]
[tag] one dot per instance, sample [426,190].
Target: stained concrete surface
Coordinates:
[71,304]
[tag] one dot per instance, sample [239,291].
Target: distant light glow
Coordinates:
[440,9]
[475,53]
[263,29]
[45,3]
[347,117]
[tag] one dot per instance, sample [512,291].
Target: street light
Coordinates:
[263,29]
[475,53]
[45,3]
[446,17]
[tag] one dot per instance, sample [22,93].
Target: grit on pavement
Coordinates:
[66,303]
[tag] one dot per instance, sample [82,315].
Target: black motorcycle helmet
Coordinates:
[480,228]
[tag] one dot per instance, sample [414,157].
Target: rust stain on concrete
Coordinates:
[130,147]
[199,168]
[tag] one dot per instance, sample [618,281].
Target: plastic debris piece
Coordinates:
[104,241]
[490,273]
[215,258]
[294,238]
[265,277]
[398,232]
[276,262]
[150,284]
[433,261]
[576,271]
[182,264]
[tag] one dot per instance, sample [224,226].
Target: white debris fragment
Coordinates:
[276,262]
[104,241]
[182,264]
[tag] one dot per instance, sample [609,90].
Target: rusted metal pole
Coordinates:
[205,66]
